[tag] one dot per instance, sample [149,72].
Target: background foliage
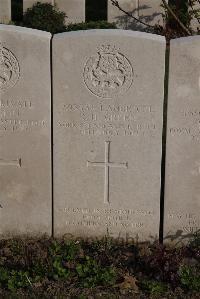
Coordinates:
[51,19]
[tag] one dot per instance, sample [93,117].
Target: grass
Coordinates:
[50,268]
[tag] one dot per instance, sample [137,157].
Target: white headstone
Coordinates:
[25,151]
[147,11]
[108,99]
[5,11]
[29,3]
[182,189]
[74,9]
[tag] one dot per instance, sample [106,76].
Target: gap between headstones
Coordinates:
[164,135]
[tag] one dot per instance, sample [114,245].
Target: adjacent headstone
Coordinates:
[182,190]
[5,11]
[29,3]
[74,9]
[108,99]
[25,150]
[148,11]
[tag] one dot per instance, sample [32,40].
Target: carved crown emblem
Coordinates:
[9,69]
[108,73]
[107,49]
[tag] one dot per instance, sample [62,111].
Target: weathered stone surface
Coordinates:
[5,11]
[148,11]
[182,190]
[29,3]
[74,9]
[108,98]
[25,151]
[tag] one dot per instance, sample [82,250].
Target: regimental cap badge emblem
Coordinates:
[9,69]
[108,73]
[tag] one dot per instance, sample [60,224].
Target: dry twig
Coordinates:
[116,3]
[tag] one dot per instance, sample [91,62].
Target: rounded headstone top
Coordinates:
[112,32]
[24,30]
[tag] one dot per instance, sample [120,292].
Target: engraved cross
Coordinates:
[17,162]
[107,164]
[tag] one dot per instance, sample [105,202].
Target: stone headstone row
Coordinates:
[147,11]
[5,11]
[107,134]
[74,9]
[29,3]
